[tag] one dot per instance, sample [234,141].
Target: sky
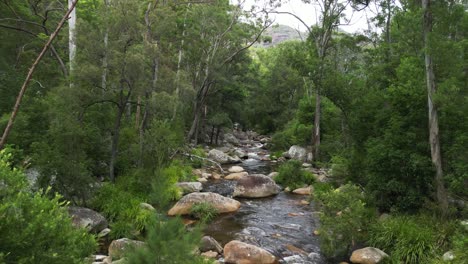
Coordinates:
[307,12]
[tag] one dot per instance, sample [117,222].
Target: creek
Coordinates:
[282,224]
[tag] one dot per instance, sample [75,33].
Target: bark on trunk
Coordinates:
[72,36]
[434,141]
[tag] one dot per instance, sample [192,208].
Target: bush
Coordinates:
[204,211]
[291,175]
[295,133]
[344,219]
[411,239]
[168,242]
[122,209]
[34,228]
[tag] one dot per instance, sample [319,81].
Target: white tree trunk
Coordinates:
[72,36]
[441,193]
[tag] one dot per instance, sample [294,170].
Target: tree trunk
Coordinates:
[316,136]
[115,142]
[72,36]
[19,98]
[441,193]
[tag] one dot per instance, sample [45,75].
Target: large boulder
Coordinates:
[236,175]
[256,186]
[190,187]
[368,255]
[222,158]
[86,218]
[242,253]
[230,138]
[221,203]
[208,243]
[297,153]
[118,247]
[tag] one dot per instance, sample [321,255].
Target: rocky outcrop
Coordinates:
[236,175]
[190,187]
[304,191]
[208,243]
[230,138]
[243,253]
[86,218]
[117,247]
[368,255]
[256,186]
[221,203]
[222,158]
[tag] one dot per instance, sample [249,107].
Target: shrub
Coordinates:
[122,209]
[168,242]
[196,162]
[410,239]
[204,211]
[34,228]
[291,175]
[344,219]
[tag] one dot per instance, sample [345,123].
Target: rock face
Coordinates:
[236,175]
[304,191]
[243,253]
[190,187]
[255,186]
[221,203]
[93,221]
[368,255]
[208,243]
[118,247]
[234,169]
[297,153]
[221,157]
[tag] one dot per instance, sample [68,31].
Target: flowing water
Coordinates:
[281,224]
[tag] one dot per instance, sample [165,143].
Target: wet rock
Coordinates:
[86,218]
[368,255]
[235,169]
[243,253]
[256,186]
[118,247]
[240,153]
[304,191]
[190,187]
[221,203]
[208,243]
[236,176]
[297,153]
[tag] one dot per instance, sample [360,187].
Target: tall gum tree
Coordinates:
[434,141]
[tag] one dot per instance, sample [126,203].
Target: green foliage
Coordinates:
[204,211]
[196,162]
[344,219]
[168,242]
[34,228]
[411,239]
[122,209]
[291,174]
